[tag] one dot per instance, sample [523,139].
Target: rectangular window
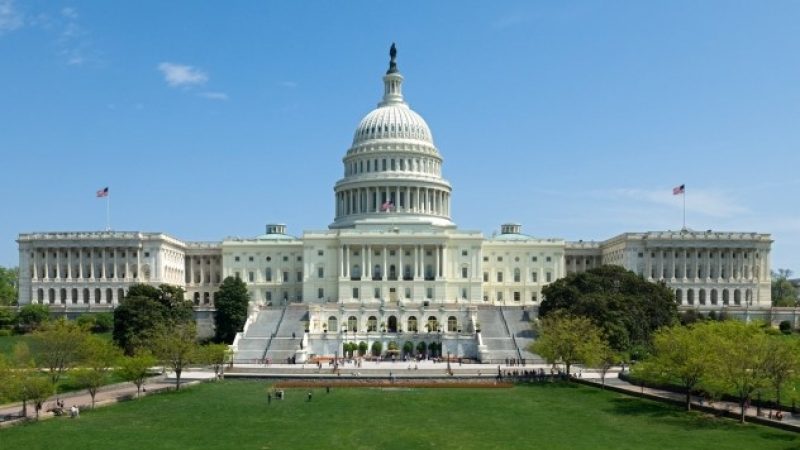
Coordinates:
[516,277]
[268,295]
[499,277]
[250,259]
[548,277]
[548,259]
[235,258]
[429,293]
[533,296]
[320,272]
[286,278]
[464,293]
[485,259]
[499,259]
[408,292]
[285,258]
[320,253]
[299,277]
[500,296]
[377,292]
[464,253]
[355,292]
[485,277]
[237,275]
[251,276]
[535,277]
[516,296]
[534,259]
[320,293]
[464,273]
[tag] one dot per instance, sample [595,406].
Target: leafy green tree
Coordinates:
[57,345]
[175,346]
[568,340]
[738,355]
[37,388]
[362,348]
[98,355]
[231,303]
[624,305]
[782,364]
[408,348]
[216,356]
[784,293]
[144,310]
[377,348]
[136,367]
[422,347]
[680,355]
[31,317]
[9,285]
[7,318]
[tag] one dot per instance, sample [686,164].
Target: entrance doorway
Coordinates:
[392,324]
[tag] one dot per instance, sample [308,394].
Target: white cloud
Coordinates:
[180,75]
[10,18]
[69,13]
[214,95]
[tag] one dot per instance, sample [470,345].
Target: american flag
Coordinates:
[387,206]
[679,190]
[103,192]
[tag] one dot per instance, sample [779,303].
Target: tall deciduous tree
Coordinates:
[568,340]
[782,363]
[680,354]
[57,346]
[175,347]
[136,367]
[783,291]
[30,317]
[626,306]
[231,303]
[144,310]
[215,355]
[9,285]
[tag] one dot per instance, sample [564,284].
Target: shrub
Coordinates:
[785,327]
[103,322]
[362,348]
[86,321]
[377,348]
[7,317]
[408,348]
[6,332]
[30,317]
[422,347]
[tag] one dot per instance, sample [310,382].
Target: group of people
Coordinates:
[58,410]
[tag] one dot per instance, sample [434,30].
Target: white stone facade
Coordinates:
[391,251]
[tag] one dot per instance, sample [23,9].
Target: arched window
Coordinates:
[333,324]
[737,297]
[702,296]
[725,297]
[412,324]
[690,296]
[51,295]
[372,324]
[98,295]
[109,295]
[713,296]
[40,295]
[74,295]
[433,324]
[352,324]
[63,295]
[679,296]
[391,324]
[120,294]
[206,298]
[748,296]
[452,324]
[85,295]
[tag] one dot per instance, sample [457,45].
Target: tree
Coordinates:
[422,347]
[231,303]
[607,358]
[37,388]
[737,359]
[215,355]
[362,348]
[624,305]
[144,310]
[136,367]
[680,354]
[782,364]
[30,317]
[57,346]
[175,347]
[9,285]
[377,348]
[568,340]
[98,356]
[784,293]
[7,318]
[408,348]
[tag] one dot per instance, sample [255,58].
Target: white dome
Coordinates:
[394,121]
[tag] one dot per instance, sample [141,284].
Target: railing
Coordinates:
[274,332]
[513,338]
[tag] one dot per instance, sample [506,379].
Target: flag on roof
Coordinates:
[387,206]
[679,190]
[103,192]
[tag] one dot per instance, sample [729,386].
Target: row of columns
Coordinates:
[716,267]
[403,198]
[417,266]
[417,165]
[87,266]
[207,270]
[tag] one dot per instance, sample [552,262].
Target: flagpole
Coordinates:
[108,212]
[684,208]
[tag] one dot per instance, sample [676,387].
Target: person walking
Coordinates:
[309,395]
[269,398]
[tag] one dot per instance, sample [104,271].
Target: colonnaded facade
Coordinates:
[391,260]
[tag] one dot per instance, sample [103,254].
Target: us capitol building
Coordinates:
[392,266]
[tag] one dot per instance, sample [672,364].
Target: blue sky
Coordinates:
[576,119]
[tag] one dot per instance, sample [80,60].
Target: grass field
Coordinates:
[235,414]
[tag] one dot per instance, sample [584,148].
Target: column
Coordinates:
[368,269]
[364,268]
[103,269]
[436,272]
[397,198]
[138,264]
[400,264]
[383,270]
[128,263]
[341,261]
[35,265]
[202,271]
[116,264]
[58,263]
[69,264]
[416,262]
[347,261]
[444,261]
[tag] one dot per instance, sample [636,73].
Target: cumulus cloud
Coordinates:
[181,75]
[10,17]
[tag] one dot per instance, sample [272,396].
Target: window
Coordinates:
[286,278]
[147,255]
[299,276]
[235,258]
[464,253]
[516,276]
[464,272]
[485,277]
[548,277]
[464,293]
[320,253]
[485,259]
[499,259]
[412,324]
[408,292]
[516,296]
[237,275]
[285,258]
[251,277]
[452,324]
[535,277]
[320,293]
[320,272]
[377,293]
[534,259]
[533,296]
[548,259]
[355,292]
[269,258]
[250,259]
[268,274]
[429,293]
[500,296]
[372,324]
[299,258]
[499,277]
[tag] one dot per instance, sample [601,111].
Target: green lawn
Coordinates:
[235,414]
